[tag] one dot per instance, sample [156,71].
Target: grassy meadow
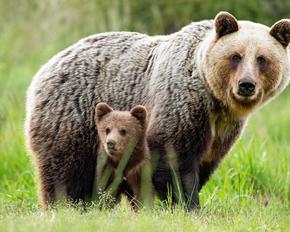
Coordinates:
[249,192]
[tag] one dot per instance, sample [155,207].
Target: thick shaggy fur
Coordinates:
[186,82]
[127,130]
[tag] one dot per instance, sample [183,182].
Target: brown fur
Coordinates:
[133,124]
[263,61]
[281,31]
[225,23]
[186,80]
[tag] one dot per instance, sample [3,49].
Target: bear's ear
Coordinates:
[281,31]
[101,110]
[225,24]
[140,113]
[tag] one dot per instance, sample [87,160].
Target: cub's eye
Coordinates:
[108,130]
[236,58]
[123,132]
[261,61]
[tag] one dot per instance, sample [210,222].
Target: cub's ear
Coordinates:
[225,24]
[140,113]
[101,110]
[281,31]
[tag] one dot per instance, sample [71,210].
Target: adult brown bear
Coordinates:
[199,85]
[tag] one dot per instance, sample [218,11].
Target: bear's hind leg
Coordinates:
[80,180]
[46,190]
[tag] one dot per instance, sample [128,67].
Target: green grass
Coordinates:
[249,192]
[233,217]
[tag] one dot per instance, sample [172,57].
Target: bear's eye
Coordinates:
[236,58]
[262,62]
[123,132]
[108,130]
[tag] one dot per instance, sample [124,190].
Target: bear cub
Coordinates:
[123,145]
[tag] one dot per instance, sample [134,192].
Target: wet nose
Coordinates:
[246,87]
[111,144]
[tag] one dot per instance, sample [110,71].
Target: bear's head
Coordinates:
[120,129]
[245,64]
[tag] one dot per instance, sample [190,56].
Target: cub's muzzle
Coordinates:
[111,145]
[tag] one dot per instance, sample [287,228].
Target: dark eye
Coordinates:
[236,58]
[108,130]
[123,132]
[261,61]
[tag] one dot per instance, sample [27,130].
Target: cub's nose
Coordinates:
[111,144]
[246,87]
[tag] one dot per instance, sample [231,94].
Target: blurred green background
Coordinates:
[35,25]
[253,181]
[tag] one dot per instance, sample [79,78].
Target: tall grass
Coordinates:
[250,190]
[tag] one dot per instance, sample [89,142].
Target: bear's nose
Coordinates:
[246,87]
[111,144]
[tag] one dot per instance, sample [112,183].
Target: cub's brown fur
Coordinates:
[123,139]
[200,85]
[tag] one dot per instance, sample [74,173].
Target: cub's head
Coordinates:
[244,63]
[120,129]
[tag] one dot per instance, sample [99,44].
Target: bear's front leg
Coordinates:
[185,178]
[206,169]
[190,184]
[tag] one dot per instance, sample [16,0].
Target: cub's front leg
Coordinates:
[134,182]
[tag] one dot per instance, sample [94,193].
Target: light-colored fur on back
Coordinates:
[183,79]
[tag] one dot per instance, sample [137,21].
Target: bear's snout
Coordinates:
[111,145]
[247,87]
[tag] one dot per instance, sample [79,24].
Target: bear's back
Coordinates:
[63,93]
[111,67]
